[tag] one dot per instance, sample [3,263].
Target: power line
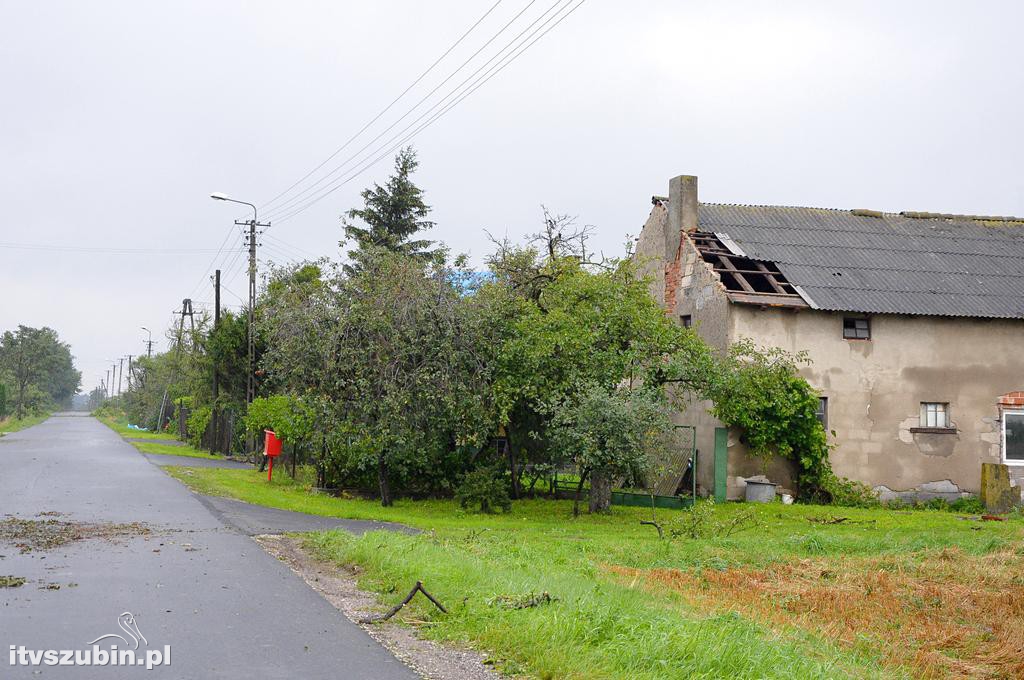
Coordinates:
[386,108]
[477,84]
[210,266]
[111,250]
[291,201]
[297,249]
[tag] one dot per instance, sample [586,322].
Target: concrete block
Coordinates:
[997,493]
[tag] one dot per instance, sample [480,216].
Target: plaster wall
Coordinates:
[875,388]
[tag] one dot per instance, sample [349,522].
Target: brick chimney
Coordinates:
[682,212]
[682,216]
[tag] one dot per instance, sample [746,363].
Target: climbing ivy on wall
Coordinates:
[761,392]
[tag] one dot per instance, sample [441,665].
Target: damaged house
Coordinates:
[914,323]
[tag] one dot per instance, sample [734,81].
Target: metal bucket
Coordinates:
[760,492]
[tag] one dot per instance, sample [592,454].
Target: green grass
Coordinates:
[12,424]
[155,443]
[120,426]
[174,450]
[600,627]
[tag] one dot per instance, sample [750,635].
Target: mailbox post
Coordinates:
[272,448]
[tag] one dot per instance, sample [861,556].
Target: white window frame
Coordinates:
[1002,433]
[923,418]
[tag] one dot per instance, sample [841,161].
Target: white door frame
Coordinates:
[1002,435]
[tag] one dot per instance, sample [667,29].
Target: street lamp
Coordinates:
[149,343]
[218,196]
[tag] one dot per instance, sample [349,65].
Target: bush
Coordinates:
[971,505]
[849,493]
[198,421]
[700,522]
[485,487]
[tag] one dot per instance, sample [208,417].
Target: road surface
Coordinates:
[197,582]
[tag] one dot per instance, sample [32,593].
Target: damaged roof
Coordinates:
[872,262]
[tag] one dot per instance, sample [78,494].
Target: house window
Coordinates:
[822,413]
[686,320]
[1013,437]
[856,328]
[934,414]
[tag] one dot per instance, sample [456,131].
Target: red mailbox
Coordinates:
[272,449]
[272,444]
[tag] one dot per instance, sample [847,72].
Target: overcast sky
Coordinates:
[117,120]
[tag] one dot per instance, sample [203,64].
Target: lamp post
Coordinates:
[250,385]
[149,343]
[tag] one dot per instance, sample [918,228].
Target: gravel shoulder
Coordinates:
[430,659]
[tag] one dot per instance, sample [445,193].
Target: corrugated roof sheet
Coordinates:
[952,266]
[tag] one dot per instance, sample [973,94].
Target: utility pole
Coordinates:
[215,417]
[250,385]
[186,310]
[120,374]
[216,298]
[130,372]
[106,385]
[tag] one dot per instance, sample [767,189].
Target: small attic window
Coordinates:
[855,328]
[686,320]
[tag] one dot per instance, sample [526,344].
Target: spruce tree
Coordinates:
[392,215]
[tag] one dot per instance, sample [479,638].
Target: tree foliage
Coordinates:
[613,432]
[403,371]
[392,215]
[39,369]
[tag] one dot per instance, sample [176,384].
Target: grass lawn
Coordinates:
[174,450]
[155,445]
[120,426]
[12,424]
[914,593]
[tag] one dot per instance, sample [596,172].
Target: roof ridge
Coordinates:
[766,205]
[866,212]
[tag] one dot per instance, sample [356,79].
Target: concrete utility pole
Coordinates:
[106,385]
[214,419]
[186,310]
[130,373]
[149,343]
[120,374]
[250,384]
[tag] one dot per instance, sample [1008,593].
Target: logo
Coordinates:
[95,655]
[126,621]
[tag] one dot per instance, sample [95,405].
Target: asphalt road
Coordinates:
[197,583]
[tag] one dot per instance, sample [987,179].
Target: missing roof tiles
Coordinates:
[746,280]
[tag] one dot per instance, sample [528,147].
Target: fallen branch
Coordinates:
[394,610]
[651,523]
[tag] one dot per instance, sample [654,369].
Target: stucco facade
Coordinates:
[874,387]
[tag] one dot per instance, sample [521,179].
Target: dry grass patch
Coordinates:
[938,613]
